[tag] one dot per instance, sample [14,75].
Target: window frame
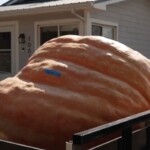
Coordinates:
[13,27]
[57,29]
[103,23]
[57,23]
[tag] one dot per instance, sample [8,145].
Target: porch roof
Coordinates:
[54,5]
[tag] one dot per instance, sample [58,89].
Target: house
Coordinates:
[26,24]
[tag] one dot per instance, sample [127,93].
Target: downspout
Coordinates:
[77,15]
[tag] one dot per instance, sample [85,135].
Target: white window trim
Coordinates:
[103,22]
[15,55]
[53,23]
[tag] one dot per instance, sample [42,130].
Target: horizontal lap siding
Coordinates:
[26,25]
[133,18]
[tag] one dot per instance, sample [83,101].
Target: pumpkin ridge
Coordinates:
[98,80]
[83,64]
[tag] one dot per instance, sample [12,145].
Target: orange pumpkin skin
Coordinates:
[70,84]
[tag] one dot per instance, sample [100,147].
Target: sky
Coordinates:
[3,1]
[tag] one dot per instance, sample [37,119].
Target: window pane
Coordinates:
[5,40]
[5,61]
[69,29]
[96,30]
[47,33]
[108,32]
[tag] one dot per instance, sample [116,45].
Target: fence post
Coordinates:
[77,142]
[69,145]
[126,142]
[119,144]
[148,138]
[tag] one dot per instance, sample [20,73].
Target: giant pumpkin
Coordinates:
[70,84]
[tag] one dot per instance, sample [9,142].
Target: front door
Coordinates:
[7,51]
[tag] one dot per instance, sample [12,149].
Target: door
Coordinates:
[7,51]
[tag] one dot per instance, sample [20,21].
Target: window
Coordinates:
[49,32]
[5,52]
[107,31]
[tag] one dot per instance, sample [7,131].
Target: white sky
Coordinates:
[3,1]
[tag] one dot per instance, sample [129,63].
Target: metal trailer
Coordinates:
[7,145]
[130,137]
[125,140]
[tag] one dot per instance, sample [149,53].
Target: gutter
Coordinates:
[8,11]
[19,10]
[77,15]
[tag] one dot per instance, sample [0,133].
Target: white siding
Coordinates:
[26,26]
[133,18]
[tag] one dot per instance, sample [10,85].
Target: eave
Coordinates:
[102,4]
[8,11]
[30,9]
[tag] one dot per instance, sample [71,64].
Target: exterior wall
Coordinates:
[133,18]
[27,26]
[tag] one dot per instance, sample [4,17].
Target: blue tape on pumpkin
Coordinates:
[52,72]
